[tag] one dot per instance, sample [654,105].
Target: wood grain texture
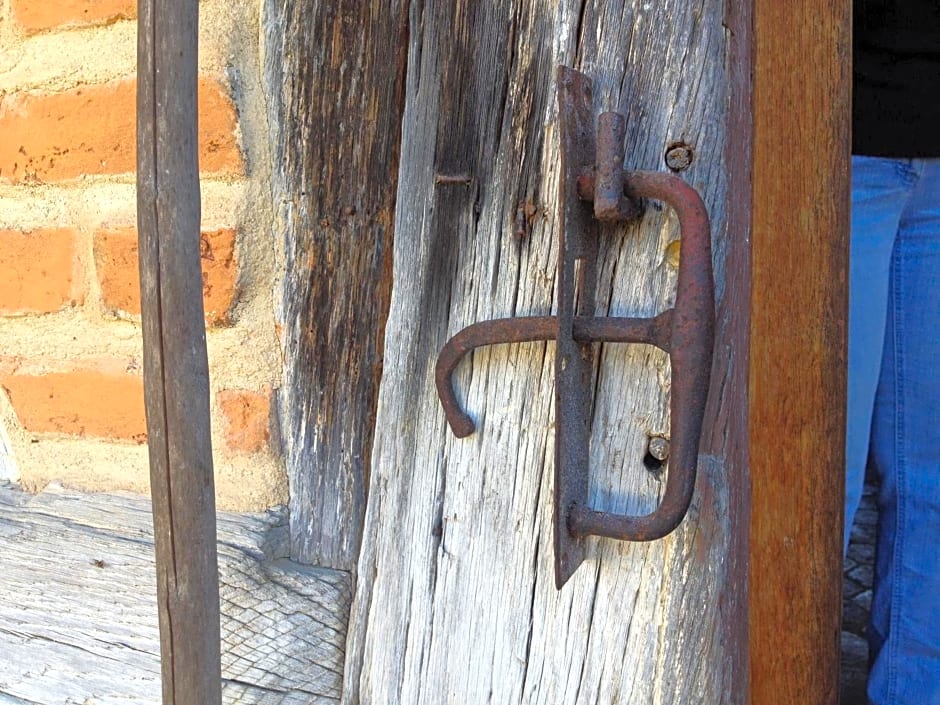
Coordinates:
[797,407]
[333,71]
[726,432]
[78,614]
[455,599]
[176,370]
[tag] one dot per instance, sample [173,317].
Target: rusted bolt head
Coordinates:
[678,156]
[659,447]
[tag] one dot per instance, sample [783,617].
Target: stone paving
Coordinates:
[856,600]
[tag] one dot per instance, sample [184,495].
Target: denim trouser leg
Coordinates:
[904,632]
[880,190]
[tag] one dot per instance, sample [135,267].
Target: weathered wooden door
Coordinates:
[444,114]
[456,601]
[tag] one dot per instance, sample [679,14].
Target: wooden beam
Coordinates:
[726,417]
[802,71]
[336,69]
[455,598]
[176,372]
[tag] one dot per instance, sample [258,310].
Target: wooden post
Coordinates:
[337,247]
[176,372]
[455,598]
[802,78]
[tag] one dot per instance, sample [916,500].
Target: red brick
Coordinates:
[98,401]
[91,130]
[37,269]
[119,276]
[247,418]
[37,15]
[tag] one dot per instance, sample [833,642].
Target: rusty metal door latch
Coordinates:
[592,171]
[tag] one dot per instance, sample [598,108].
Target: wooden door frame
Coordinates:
[798,322]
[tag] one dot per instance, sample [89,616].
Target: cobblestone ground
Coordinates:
[856,600]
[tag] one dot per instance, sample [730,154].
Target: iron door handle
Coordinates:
[593,173]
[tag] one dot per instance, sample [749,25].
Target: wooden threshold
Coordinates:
[78,613]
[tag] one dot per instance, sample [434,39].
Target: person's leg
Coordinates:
[880,189]
[904,632]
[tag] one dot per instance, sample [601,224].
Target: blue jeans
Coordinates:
[894,402]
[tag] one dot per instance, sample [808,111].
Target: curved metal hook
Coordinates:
[503,330]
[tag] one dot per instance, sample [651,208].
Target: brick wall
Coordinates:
[71,393]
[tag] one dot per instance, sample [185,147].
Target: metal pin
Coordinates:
[452,179]
[658,447]
[678,156]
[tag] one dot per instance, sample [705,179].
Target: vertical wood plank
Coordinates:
[334,70]
[176,373]
[726,417]
[802,65]
[455,599]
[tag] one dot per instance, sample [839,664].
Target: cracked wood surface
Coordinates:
[455,599]
[333,72]
[78,615]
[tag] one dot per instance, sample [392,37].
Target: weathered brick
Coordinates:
[247,417]
[37,15]
[37,268]
[99,401]
[119,276]
[91,130]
